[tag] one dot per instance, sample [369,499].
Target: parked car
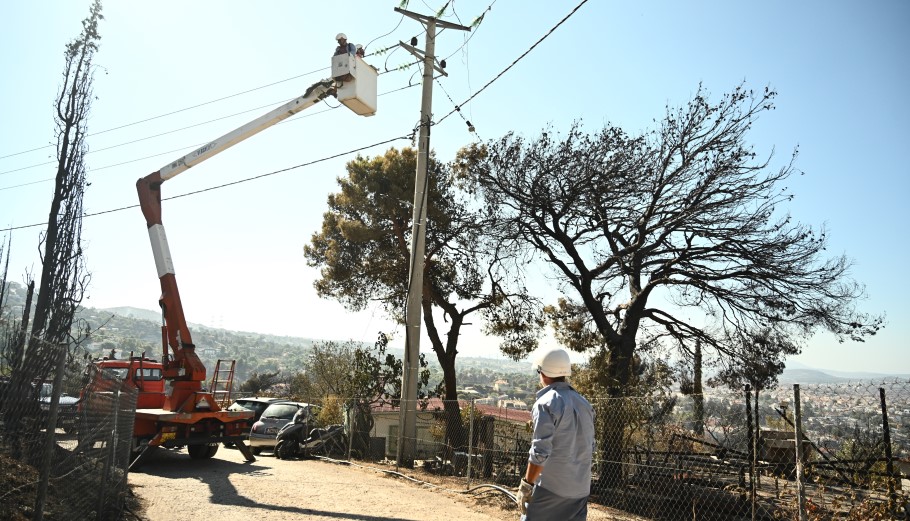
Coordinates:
[256,404]
[67,407]
[273,418]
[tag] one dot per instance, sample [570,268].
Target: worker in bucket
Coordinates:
[343,45]
[557,481]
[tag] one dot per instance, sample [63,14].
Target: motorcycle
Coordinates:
[295,441]
[291,435]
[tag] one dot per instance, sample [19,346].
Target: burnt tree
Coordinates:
[63,277]
[641,230]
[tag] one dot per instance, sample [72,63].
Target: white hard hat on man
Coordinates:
[553,362]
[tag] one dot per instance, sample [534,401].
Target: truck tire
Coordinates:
[202,451]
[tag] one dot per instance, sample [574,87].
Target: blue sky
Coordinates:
[841,70]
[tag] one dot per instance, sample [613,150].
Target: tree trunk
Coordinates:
[612,444]
[456,436]
[698,397]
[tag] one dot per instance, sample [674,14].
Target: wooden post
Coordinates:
[798,427]
[886,432]
[752,451]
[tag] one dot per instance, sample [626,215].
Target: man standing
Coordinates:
[557,482]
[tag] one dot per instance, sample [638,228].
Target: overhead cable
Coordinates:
[544,37]
[225,185]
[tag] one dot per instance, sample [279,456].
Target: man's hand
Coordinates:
[525,491]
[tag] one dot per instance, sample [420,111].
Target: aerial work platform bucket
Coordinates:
[357,83]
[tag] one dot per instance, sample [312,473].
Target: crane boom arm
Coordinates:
[316,93]
[184,364]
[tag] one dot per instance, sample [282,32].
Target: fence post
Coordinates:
[470,441]
[751,448]
[115,429]
[351,418]
[798,427]
[886,432]
[50,429]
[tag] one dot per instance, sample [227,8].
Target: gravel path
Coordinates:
[226,488]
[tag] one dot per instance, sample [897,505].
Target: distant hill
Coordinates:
[138,313]
[803,375]
[799,373]
[795,373]
[808,376]
[464,362]
[865,376]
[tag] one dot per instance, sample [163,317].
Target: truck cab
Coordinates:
[141,372]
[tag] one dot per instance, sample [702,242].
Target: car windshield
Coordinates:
[280,411]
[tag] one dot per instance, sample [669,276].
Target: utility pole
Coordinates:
[407,425]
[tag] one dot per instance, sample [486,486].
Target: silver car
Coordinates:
[274,417]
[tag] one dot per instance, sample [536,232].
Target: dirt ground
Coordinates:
[169,485]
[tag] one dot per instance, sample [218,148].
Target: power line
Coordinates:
[270,105]
[172,132]
[542,38]
[456,109]
[474,25]
[232,183]
[191,107]
[146,120]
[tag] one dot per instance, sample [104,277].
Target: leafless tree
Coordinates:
[63,278]
[642,230]
[63,275]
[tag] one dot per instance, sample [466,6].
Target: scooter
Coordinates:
[291,435]
[320,442]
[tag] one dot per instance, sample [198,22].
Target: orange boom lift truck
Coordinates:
[176,410]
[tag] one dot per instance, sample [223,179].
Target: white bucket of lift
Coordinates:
[356,83]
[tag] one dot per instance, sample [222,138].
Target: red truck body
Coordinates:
[198,422]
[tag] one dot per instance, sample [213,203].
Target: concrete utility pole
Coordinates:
[407,425]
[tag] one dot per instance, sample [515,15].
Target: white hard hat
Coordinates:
[341,36]
[554,363]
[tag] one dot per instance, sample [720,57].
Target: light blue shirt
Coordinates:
[563,440]
[349,48]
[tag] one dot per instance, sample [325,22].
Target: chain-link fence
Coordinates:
[736,455]
[722,455]
[64,447]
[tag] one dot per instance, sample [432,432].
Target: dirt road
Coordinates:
[226,488]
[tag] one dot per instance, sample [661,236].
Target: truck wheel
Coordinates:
[202,451]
